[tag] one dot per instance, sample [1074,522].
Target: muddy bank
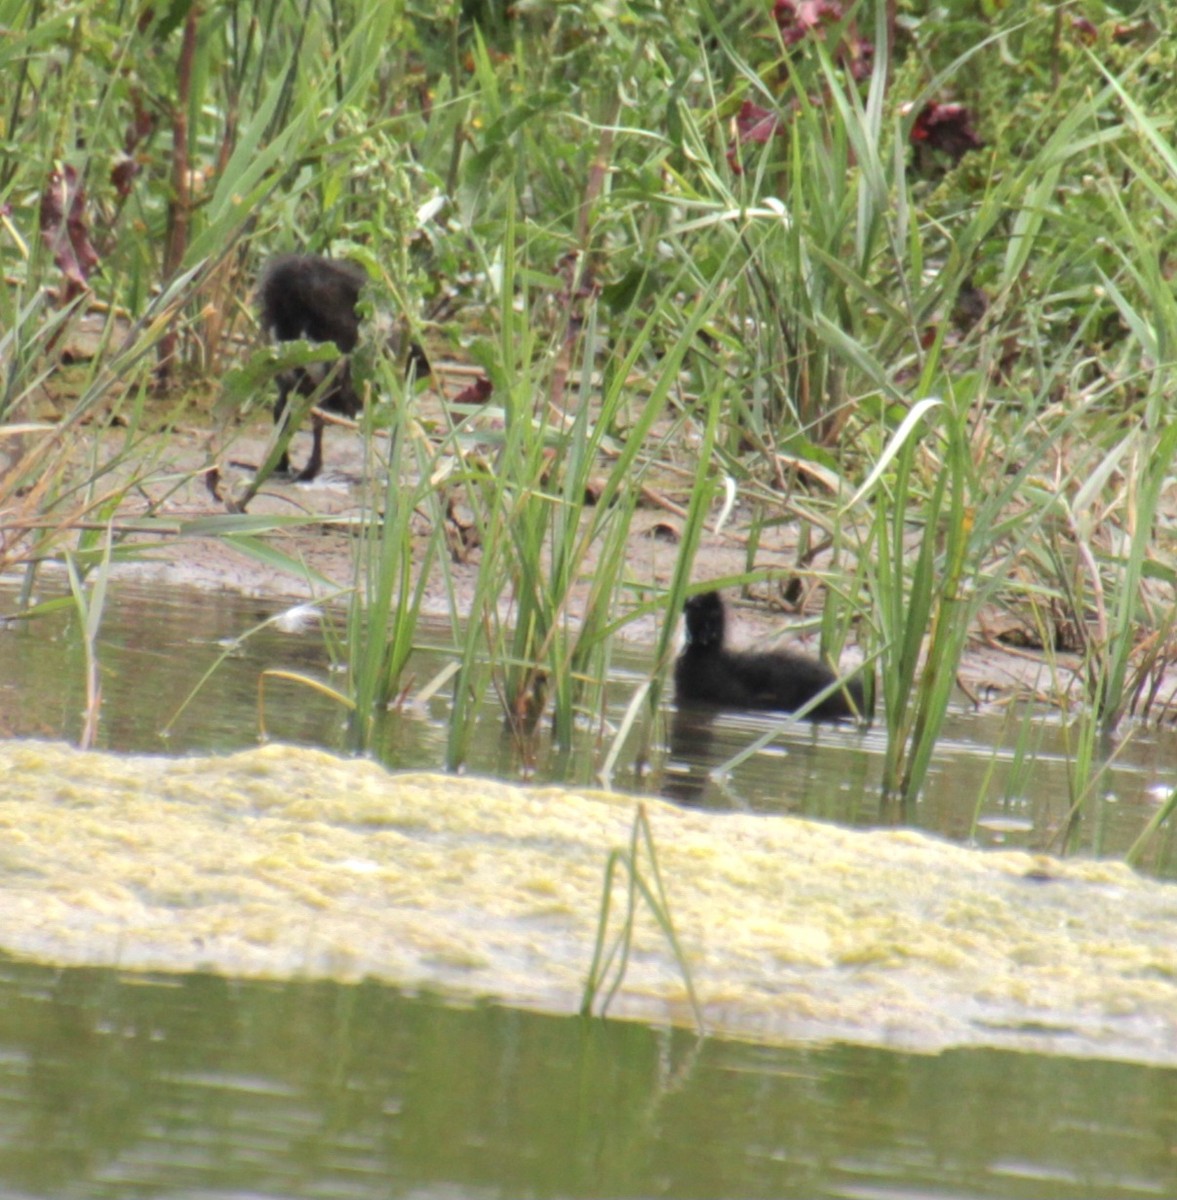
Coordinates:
[320,555]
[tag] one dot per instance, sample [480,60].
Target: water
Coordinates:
[121,1085]
[116,1086]
[158,643]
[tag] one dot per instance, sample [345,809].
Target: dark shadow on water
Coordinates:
[686,775]
[819,770]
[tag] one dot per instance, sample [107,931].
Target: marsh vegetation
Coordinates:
[893,282]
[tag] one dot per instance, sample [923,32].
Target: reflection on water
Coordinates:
[121,1086]
[830,772]
[157,644]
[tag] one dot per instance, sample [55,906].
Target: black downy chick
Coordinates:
[312,297]
[706,675]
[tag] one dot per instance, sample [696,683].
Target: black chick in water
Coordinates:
[312,297]
[707,675]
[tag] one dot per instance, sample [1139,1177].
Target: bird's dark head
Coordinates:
[705,620]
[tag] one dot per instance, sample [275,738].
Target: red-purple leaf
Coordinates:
[1084,30]
[859,58]
[796,19]
[946,127]
[755,124]
[140,127]
[64,228]
[122,174]
[752,124]
[479,392]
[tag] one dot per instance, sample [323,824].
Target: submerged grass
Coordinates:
[90,605]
